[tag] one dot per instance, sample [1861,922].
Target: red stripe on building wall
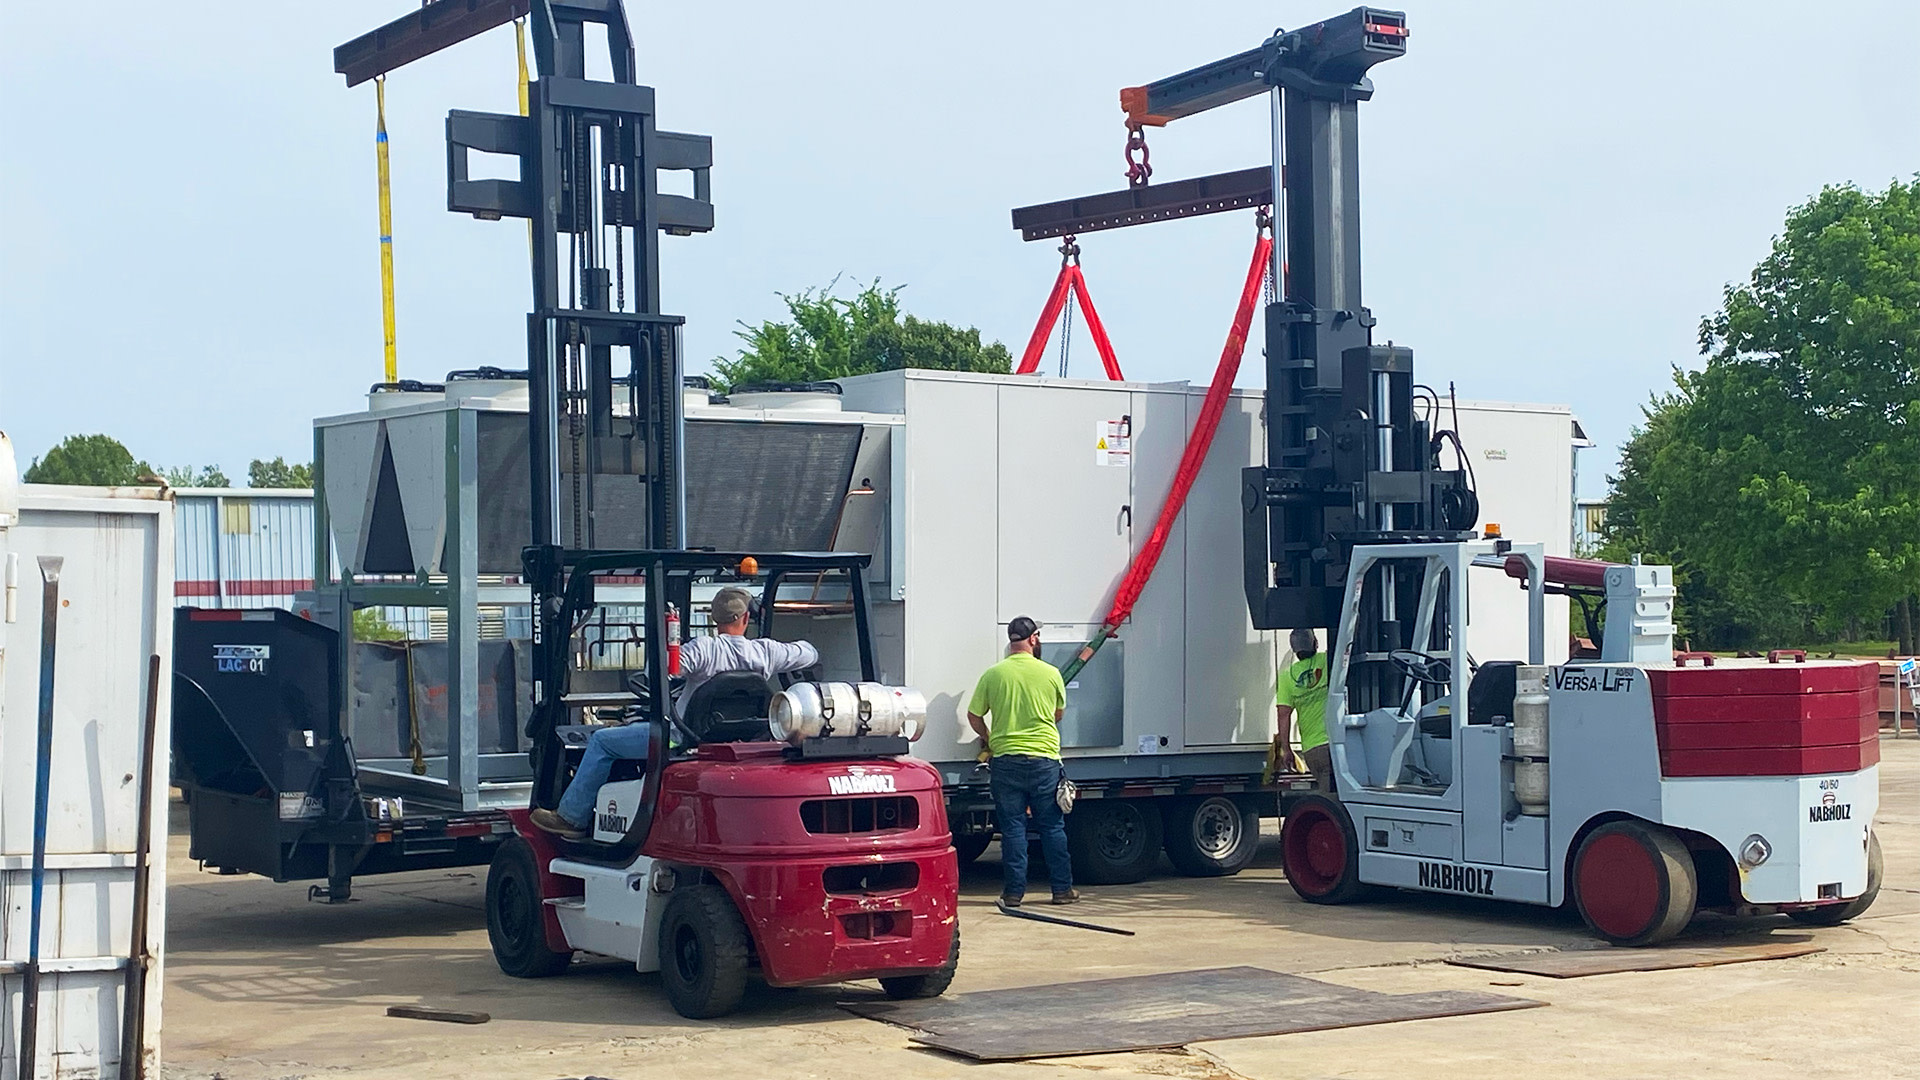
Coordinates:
[243,587]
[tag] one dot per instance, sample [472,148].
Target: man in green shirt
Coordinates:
[1302,696]
[1026,699]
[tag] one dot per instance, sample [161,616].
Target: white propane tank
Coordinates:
[1530,739]
[807,710]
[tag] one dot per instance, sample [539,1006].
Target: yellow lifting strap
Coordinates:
[520,51]
[386,225]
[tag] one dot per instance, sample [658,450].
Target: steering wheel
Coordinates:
[1422,667]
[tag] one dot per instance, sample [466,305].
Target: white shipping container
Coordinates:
[116,592]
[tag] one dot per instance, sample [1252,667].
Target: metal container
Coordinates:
[116,592]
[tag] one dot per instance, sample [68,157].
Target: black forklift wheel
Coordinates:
[1114,841]
[1634,883]
[926,984]
[971,847]
[1321,851]
[703,952]
[1835,914]
[516,915]
[1211,836]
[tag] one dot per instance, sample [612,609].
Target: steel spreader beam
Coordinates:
[419,34]
[1193,197]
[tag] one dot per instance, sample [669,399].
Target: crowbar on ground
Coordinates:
[1058,921]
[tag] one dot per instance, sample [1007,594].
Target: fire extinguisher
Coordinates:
[673,640]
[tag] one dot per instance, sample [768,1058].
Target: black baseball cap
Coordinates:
[1022,628]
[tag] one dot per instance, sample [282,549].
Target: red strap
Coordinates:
[1070,279]
[1056,300]
[1096,327]
[1198,442]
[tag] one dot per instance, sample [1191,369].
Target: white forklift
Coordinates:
[1640,786]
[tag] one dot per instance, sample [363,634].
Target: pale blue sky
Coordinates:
[1552,195]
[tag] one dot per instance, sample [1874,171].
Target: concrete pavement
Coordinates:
[262,985]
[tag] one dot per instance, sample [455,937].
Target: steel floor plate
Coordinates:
[1611,961]
[1149,1012]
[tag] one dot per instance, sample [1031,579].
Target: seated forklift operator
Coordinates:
[730,649]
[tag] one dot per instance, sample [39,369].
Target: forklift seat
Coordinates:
[730,707]
[1491,692]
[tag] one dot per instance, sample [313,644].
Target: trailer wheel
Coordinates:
[1835,914]
[703,952]
[516,915]
[1320,851]
[1634,883]
[968,848]
[1211,836]
[927,984]
[1114,841]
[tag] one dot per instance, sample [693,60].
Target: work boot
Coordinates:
[1071,896]
[1009,900]
[547,821]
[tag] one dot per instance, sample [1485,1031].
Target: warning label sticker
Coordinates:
[1113,442]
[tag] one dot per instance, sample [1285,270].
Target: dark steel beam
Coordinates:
[422,33]
[1199,195]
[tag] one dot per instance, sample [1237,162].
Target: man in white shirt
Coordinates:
[730,649]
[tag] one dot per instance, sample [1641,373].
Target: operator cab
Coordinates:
[1399,661]
[608,642]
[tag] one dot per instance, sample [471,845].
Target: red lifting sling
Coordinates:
[1194,456]
[1070,279]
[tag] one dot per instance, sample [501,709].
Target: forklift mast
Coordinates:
[604,364]
[1348,461]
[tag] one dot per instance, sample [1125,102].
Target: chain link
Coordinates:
[1263,222]
[1139,160]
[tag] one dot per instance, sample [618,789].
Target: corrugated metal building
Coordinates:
[253,548]
[242,547]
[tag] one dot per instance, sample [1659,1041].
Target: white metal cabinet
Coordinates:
[1064,539]
[116,593]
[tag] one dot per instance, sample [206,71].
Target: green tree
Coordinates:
[1783,479]
[830,337]
[370,624]
[278,474]
[205,476]
[90,460]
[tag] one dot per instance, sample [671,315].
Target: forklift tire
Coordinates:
[1114,841]
[1835,914]
[1634,883]
[703,952]
[968,848]
[1211,836]
[1320,852]
[516,915]
[928,984]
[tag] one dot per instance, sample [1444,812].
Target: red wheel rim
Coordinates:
[1315,847]
[1618,884]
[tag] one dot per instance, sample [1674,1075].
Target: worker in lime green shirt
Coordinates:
[1301,697]
[1026,699]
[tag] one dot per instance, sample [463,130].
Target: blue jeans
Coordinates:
[604,747]
[1022,782]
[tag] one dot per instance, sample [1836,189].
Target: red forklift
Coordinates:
[756,833]
[742,840]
